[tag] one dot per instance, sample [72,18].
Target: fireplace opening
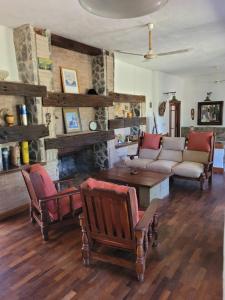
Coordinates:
[79,165]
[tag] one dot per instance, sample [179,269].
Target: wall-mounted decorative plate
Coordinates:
[93,125]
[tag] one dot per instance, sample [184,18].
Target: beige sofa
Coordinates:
[173,158]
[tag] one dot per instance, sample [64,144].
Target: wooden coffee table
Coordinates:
[149,185]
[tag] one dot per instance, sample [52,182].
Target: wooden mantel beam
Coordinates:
[65,43]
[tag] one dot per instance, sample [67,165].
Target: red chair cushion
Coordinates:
[151,141]
[199,141]
[64,204]
[140,214]
[44,187]
[97,184]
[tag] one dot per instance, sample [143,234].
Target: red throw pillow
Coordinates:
[97,184]
[151,141]
[200,141]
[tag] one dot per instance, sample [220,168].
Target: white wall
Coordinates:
[7,53]
[164,83]
[195,91]
[130,79]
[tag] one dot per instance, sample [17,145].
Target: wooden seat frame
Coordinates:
[99,229]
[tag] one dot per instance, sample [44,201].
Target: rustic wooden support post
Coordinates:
[140,260]
[85,244]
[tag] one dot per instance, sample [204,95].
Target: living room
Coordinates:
[117,102]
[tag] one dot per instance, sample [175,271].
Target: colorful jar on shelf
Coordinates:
[15,155]
[5,158]
[10,120]
[23,114]
[25,152]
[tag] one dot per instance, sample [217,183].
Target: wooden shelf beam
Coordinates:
[126,122]
[22,133]
[62,42]
[22,89]
[77,141]
[76,100]
[127,98]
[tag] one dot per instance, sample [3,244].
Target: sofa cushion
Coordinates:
[149,153]
[162,166]
[172,155]
[196,156]
[151,141]
[199,141]
[189,169]
[139,163]
[173,143]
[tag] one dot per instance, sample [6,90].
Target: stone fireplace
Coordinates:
[94,72]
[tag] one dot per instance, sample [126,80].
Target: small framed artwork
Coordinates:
[210,113]
[69,81]
[71,118]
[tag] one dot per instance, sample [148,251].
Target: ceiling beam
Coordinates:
[65,43]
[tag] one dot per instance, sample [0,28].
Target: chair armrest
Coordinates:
[59,197]
[147,218]
[68,182]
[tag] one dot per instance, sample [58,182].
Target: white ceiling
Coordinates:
[197,24]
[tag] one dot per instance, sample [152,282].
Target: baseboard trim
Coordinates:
[218,170]
[13,211]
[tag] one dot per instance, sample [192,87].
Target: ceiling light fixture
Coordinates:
[122,9]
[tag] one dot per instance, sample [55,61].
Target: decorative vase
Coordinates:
[10,120]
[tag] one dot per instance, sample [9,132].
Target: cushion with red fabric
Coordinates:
[120,189]
[98,184]
[44,187]
[151,141]
[200,141]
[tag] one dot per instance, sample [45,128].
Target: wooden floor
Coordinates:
[187,264]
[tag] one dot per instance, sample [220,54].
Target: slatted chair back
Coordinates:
[110,216]
[30,187]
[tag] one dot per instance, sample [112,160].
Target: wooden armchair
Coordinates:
[111,218]
[50,207]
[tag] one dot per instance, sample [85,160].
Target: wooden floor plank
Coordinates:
[186,265]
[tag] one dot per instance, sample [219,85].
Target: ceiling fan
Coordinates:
[151,54]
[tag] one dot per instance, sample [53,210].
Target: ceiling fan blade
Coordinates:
[174,52]
[130,53]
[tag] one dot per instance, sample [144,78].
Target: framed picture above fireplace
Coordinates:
[210,113]
[69,81]
[71,117]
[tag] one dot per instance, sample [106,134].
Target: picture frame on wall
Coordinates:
[69,80]
[71,117]
[210,113]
